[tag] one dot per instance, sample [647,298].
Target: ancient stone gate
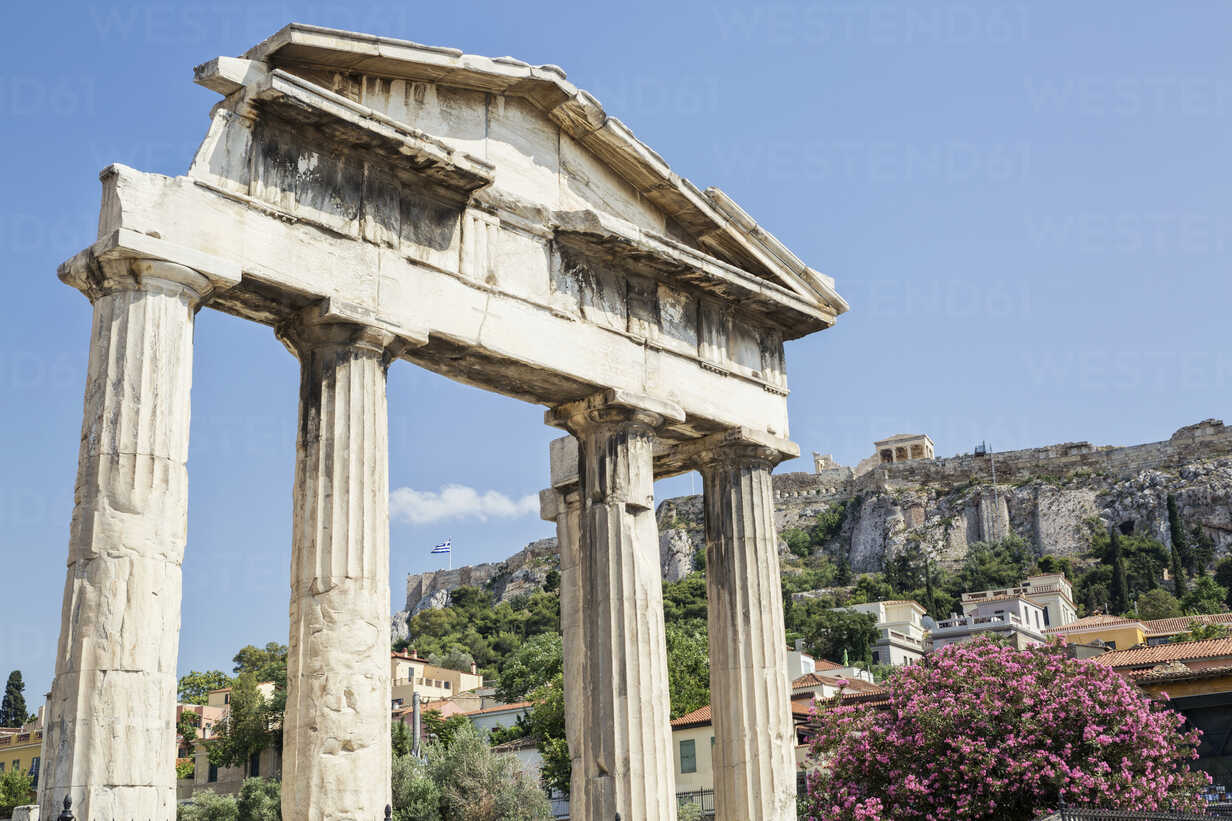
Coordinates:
[373,200]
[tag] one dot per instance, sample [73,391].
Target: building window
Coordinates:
[254,765]
[448,685]
[213,774]
[876,657]
[1047,621]
[688,756]
[226,699]
[1,766]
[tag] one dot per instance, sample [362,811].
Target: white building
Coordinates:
[1014,617]
[901,638]
[1052,591]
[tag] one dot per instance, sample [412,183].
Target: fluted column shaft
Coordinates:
[565,508]
[110,734]
[336,751]
[754,752]
[627,759]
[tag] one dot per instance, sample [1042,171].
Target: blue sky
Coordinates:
[1027,206]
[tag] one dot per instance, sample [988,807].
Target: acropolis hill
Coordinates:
[1046,495]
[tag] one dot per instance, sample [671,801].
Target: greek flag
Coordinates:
[444,547]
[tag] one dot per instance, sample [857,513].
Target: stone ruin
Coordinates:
[374,200]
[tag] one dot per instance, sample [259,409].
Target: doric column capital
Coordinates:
[106,277]
[614,407]
[312,330]
[737,446]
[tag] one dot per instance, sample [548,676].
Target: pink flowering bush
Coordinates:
[985,731]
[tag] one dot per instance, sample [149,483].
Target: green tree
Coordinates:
[186,725]
[842,573]
[835,631]
[195,687]
[1180,550]
[15,790]
[989,565]
[1200,631]
[455,658]
[1223,576]
[415,795]
[871,587]
[401,738]
[251,725]
[545,723]
[1202,546]
[688,667]
[1158,604]
[1180,544]
[208,806]
[1205,596]
[260,799]
[797,542]
[685,600]
[531,666]
[902,573]
[463,780]
[268,663]
[442,729]
[13,708]
[1118,591]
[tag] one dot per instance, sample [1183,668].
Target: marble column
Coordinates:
[627,759]
[110,724]
[562,504]
[336,754]
[754,747]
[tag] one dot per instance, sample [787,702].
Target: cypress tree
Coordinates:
[1179,557]
[13,708]
[1180,545]
[1118,594]
[930,600]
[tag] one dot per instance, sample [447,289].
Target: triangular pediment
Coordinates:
[540,134]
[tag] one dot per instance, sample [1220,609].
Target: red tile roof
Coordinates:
[698,718]
[500,708]
[1093,622]
[1168,627]
[1177,672]
[1161,653]
[801,707]
[825,664]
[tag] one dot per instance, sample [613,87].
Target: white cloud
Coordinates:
[457,502]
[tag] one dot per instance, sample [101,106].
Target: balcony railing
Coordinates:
[972,621]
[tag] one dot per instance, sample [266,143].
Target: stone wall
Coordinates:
[1204,440]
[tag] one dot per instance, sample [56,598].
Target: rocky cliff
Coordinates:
[1045,495]
[1048,496]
